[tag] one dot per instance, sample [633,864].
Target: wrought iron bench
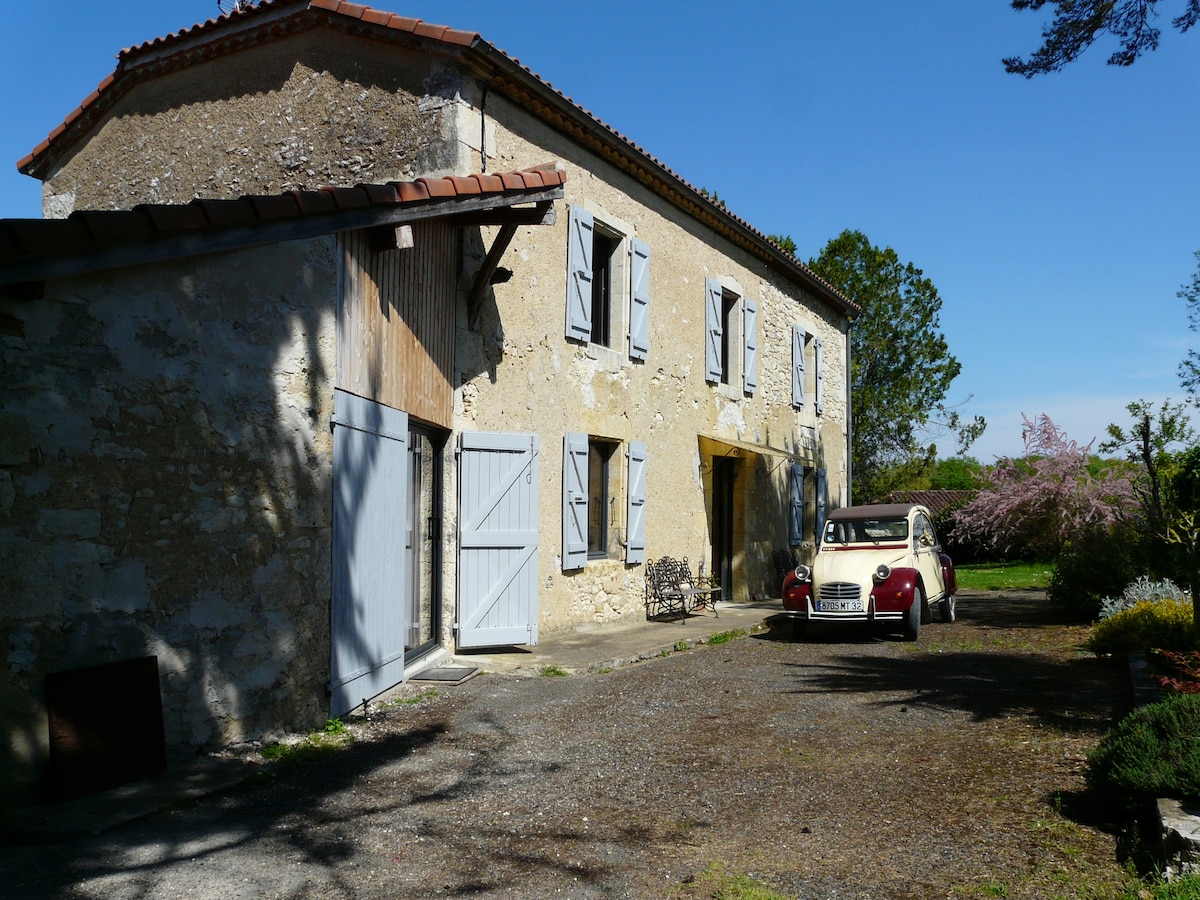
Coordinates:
[672,590]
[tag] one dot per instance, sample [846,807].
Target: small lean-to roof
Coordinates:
[273,19]
[89,241]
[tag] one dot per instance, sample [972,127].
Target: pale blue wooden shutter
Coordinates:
[635,531]
[639,304]
[798,338]
[822,486]
[575,501]
[497,539]
[370,511]
[796,519]
[820,392]
[580,250]
[713,364]
[750,341]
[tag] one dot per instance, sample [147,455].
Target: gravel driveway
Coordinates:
[840,765]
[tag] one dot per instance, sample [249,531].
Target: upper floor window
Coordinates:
[808,371]
[608,285]
[731,342]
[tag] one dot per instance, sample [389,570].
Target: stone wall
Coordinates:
[164,490]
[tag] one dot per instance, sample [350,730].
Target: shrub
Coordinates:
[1162,624]
[1142,590]
[1184,676]
[1094,564]
[1155,750]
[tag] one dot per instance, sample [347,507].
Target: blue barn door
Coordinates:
[497,539]
[369,612]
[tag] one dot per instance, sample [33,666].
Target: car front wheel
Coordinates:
[947,608]
[912,618]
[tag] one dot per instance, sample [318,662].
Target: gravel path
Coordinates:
[840,765]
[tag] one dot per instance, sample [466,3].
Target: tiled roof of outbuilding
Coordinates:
[28,244]
[273,18]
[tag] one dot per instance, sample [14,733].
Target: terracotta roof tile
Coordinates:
[26,240]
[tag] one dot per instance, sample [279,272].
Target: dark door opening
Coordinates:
[724,476]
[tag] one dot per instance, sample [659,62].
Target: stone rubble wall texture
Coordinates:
[168,456]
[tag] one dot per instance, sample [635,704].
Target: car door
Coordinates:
[928,554]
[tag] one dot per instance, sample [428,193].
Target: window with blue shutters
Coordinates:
[749,345]
[796,517]
[575,501]
[608,285]
[635,517]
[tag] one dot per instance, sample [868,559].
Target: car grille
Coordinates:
[840,590]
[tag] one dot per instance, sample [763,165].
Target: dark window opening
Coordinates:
[604,247]
[728,307]
[600,454]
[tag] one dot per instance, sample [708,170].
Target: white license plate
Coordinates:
[839,606]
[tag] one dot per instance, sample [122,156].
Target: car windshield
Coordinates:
[866,531]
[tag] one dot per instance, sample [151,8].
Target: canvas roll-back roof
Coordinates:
[272,19]
[872,511]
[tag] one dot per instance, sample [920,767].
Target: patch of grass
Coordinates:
[317,746]
[717,883]
[552,672]
[724,637]
[415,699]
[1003,576]
[681,645]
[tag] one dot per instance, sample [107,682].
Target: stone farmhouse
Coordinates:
[347,343]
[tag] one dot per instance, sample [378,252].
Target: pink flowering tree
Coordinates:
[1043,499]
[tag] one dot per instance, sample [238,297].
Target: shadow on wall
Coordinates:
[174,499]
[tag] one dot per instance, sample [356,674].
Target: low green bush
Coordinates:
[1154,751]
[1094,565]
[1148,625]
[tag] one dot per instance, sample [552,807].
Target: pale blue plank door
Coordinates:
[497,539]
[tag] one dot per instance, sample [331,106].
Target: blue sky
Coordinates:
[1057,217]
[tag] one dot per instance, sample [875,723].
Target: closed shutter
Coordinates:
[575,501]
[497,539]
[639,304]
[820,392]
[370,509]
[713,364]
[579,274]
[822,488]
[750,340]
[635,532]
[798,338]
[796,519]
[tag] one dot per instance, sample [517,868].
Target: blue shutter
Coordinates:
[750,340]
[635,520]
[580,249]
[713,364]
[798,338]
[497,539]
[822,486]
[820,377]
[796,519]
[575,501]
[639,304]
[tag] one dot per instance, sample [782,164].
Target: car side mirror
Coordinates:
[926,539]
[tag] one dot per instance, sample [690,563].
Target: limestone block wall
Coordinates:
[315,109]
[165,467]
[535,379]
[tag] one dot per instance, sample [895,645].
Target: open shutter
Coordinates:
[713,364]
[822,487]
[639,305]
[635,519]
[579,274]
[575,501]
[497,539]
[796,519]
[750,340]
[798,338]
[370,513]
[820,400]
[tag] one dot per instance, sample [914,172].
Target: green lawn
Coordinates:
[1003,576]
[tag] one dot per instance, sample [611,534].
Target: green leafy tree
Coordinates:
[784,242]
[901,365]
[1078,23]
[958,473]
[1189,369]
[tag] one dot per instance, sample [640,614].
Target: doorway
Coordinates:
[723,480]
[423,541]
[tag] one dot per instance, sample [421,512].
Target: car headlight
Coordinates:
[803,573]
[882,572]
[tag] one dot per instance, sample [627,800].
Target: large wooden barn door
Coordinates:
[369,617]
[497,540]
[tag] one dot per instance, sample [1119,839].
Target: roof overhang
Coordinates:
[712,445]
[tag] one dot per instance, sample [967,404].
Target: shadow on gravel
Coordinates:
[326,814]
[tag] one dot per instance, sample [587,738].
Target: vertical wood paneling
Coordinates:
[396,321]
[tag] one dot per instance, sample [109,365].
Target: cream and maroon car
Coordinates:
[879,563]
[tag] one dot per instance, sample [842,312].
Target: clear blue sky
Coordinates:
[1058,217]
